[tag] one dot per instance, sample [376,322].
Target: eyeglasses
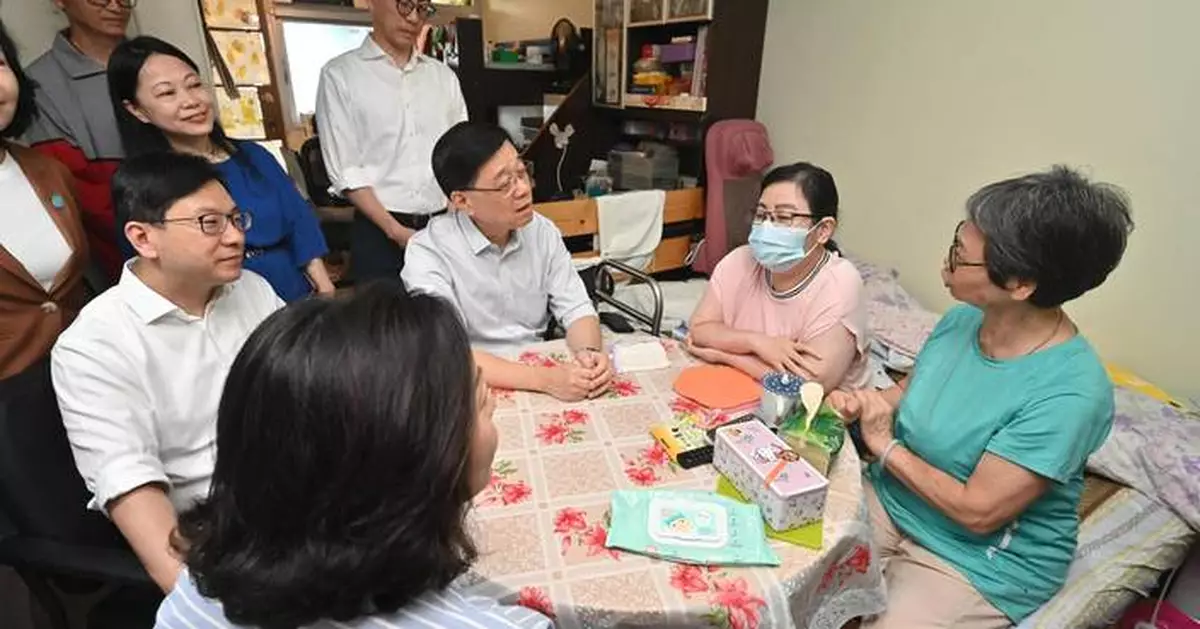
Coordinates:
[762,215]
[124,4]
[406,8]
[954,259]
[215,224]
[508,183]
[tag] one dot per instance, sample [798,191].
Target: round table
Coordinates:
[541,524]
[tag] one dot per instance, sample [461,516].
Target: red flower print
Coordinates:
[860,559]
[568,519]
[688,579]
[643,476]
[536,599]
[656,455]
[739,603]
[596,538]
[503,395]
[624,388]
[534,359]
[516,493]
[552,433]
[575,417]
[684,405]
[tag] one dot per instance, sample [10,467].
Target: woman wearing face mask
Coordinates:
[162,105]
[787,301]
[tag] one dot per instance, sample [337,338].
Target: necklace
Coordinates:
[1053,333]
[795,290]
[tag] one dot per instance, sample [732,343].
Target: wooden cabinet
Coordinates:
[701,58]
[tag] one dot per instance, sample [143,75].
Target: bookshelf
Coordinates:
[666,70]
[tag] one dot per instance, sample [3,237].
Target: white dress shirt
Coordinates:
[505,297]
[30,234]
[139,380]
[378,123]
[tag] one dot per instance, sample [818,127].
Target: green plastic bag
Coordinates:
[820,442]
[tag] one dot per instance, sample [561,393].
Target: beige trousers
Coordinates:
[924,592]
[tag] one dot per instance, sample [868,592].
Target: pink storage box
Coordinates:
[747,453]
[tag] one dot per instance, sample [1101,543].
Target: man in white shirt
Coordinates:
[380,108]
[139,374]
[505,267]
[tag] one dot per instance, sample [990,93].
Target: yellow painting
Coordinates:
[242,118]
[245,54]
[231,14]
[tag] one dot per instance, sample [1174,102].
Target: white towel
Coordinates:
[630,226]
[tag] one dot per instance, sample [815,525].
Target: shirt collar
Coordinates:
[147,303]
[76,64]
[370,51]
[480,243]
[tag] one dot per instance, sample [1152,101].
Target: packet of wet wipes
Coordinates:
[696,527]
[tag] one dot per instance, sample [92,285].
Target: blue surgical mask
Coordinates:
[778,247]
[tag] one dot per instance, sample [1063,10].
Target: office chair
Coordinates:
[47,533]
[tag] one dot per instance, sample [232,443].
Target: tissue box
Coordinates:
[749,453]
[820,442]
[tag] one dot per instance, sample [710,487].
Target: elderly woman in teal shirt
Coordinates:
[981,450]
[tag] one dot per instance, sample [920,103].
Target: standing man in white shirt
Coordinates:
[139,374]
[380,109]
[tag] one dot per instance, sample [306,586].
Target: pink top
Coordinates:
[767,454]
[834,297]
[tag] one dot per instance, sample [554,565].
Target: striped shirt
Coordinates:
[185,608]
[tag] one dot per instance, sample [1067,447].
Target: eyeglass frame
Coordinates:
[762,215]
[509,189]
[232,218]
[954,262]
[430,8]
[124,4]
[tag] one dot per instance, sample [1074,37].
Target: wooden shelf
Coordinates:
[694,104]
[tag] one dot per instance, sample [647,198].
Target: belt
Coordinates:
[415,221]
[254,252]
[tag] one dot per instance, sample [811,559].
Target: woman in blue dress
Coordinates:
[162,104]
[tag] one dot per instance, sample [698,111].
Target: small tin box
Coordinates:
[787,488]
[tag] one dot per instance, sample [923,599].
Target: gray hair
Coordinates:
[1055,228]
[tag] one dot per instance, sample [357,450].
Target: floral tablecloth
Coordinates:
[542,523]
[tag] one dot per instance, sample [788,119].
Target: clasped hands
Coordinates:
[586,378]
[873,412]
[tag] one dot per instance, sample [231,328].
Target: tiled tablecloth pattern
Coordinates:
[542,523]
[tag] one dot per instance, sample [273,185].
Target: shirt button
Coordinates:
[49,307]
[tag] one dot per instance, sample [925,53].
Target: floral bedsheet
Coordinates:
[542,523]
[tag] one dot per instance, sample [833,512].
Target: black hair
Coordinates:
[26,109]
[462,151]
[341,484]
[146,186]
[815,184]
[124,68]
[1054,228]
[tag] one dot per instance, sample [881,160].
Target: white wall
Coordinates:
[509,20]
[913,105]
[32,23]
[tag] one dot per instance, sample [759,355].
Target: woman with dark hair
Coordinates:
[347,460]
[787,301]
[43,252]
[975,493]
[162,105]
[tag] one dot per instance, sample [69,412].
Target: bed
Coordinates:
[1141,505]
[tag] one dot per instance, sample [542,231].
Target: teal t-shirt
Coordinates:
[1046,413]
